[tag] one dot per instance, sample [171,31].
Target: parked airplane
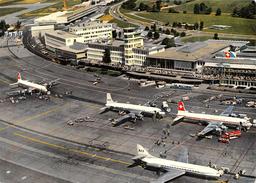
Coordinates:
[172,168]
[30,86]
[215,122]
[133,111]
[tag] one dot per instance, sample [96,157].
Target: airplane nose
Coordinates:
[220,172]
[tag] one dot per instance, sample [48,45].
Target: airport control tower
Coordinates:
[132,39]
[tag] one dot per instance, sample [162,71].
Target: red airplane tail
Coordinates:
[19,76]
[181,106]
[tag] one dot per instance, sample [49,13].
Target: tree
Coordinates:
[168,42]
[247,11]
[235,12]
[196,8]
[130,4]
[146,28]
[172,10]
[177,2]
[106,57]
[154,9]
[18,25]
[184,12]
[176,34]
[3,27]
[156,35]
[143,7]
[208,11]
[168,32]
[114,34]
[182,34]
[174,24]
[202,7]
[216,36]
[201,26]
[153,27]
[158,5]
[196,26]
[150,34]
[218,12]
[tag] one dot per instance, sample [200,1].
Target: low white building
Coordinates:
[57,39]
[37,30]
[93,31]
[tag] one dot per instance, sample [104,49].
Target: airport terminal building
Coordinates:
[207,60]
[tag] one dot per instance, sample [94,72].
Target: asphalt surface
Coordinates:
[94,151]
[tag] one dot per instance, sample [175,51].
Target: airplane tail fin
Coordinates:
[142,151]
[181,106]
[18,79]
[109,98]
[19,76]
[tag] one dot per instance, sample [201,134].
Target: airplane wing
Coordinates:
[177,120]
[124,119]
[227,111]
[53,83]
[183,156]
[171,174]
[104,109]
[210,127]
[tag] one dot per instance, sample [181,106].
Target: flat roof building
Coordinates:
[93,31]
[129,51]
[65,17]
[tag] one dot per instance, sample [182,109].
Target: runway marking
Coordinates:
[54,109]
[71,150]
[18,122]
[4,81]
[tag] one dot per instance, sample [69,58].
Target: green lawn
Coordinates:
[203,38]
[6,11]
[127,13]
[194,39]
[122,24]
[50,9]
[238,25]
[226,6]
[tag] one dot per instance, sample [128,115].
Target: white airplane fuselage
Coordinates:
[215,118]
[28,84]
[133,107]
[187,167]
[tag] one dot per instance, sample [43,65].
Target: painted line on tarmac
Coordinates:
[19,122]
[4,81]
[52,155]
[71,150]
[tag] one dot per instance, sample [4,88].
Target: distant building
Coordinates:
[93,31]
[65,17]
